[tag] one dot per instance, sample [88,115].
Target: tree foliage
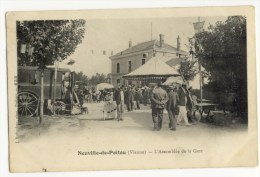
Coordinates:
[221,50]
[44,41]
[93,80]
[188,69]
[98,78]
[80,76]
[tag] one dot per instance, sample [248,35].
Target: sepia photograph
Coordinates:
[131,89]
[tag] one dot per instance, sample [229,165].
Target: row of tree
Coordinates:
[93,80]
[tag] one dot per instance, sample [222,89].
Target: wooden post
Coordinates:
[55,80]
[42,95]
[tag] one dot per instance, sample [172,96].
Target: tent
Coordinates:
[154,69]
[103,86]
[174,80]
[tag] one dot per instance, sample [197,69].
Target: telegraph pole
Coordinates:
[197,27]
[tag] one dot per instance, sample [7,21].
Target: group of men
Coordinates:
[176,101]
[131,96]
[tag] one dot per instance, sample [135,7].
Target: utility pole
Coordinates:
[197,27]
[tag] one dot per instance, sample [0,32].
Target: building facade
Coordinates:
[135,56]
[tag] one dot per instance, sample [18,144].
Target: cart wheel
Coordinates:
[28,104]
[59,107]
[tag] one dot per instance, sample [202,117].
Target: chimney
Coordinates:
[130,44]
[161,39]
[178,43]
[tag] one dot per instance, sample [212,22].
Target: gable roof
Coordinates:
[175,61]
[138,47]
[150,45]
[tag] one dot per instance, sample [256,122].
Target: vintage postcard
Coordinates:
[129,89]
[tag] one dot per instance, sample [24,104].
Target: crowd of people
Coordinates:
[176,99]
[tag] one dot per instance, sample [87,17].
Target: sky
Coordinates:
[114,35]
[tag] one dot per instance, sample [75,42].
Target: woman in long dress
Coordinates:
[109,110]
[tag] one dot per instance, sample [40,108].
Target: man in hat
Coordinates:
[171,106]
[159,98]
[119,98]
[182,93]
[130,98]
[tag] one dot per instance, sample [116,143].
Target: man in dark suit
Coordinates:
[130,98]
[171,106]
[159,98]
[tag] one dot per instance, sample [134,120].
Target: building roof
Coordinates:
[138,47]
[49,67]
[150,45]
[154,68]
[175,61]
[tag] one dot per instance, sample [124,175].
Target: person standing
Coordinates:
[138,97]
[190,106]
[119,98]
[130,98]
[171,106]
[182,105]
[145,95]
[159,98]
[109,108]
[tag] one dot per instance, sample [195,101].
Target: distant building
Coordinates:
[135,56]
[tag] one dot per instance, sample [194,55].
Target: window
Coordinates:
[129,66]
[22,75]
[118,67]
[34,77]
[118,81]
[48,77]
[143,61]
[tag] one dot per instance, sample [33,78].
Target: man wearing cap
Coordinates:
[171,106]
[159,98]
[182,93]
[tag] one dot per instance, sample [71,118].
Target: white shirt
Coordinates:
[122,96]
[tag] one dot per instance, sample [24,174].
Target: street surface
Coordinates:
[136,121]
[61,138]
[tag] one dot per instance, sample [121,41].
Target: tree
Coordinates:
[221,50]
[188,69]
[98,78]
[80,76]
[44,41]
